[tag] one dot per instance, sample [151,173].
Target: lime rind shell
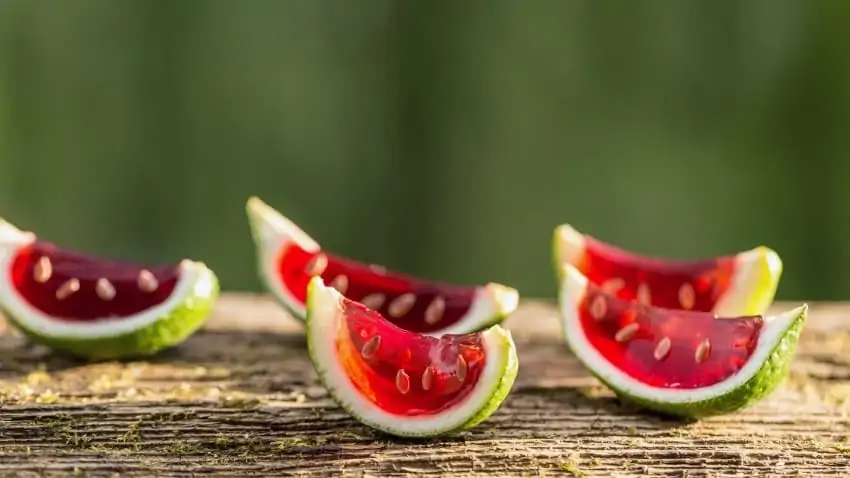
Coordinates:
[556,257]
[262,274]
[270,231]
[496,318]
[770,274]
[169,330]
[774,369]
[509,367]
[753,297]
[757,293]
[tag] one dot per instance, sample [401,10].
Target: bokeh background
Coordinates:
[441,138]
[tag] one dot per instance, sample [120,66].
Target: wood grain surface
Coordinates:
[241,399]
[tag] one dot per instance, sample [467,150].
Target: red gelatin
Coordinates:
[404,373]
[75,287]
[690,285]
[403,299]
[667,348]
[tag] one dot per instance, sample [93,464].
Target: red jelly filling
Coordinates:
[404,373]
[667,348]
[411,303]
[72,286]
[689,285]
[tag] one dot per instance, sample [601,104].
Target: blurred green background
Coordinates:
[440,138]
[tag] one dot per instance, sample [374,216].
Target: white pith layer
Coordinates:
[490,301]
[325,320]
[752,269]
[572,292]
[194,277]
[273,234]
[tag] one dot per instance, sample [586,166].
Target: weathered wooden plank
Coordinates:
[241,399]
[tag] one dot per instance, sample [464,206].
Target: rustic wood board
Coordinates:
[241,399]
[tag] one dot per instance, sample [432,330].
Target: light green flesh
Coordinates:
[509,369]
[762,384]
[166,332]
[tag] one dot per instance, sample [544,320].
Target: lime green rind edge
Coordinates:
[509,370]
[762,384]
[166,332]
[765,293]
[556,258]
